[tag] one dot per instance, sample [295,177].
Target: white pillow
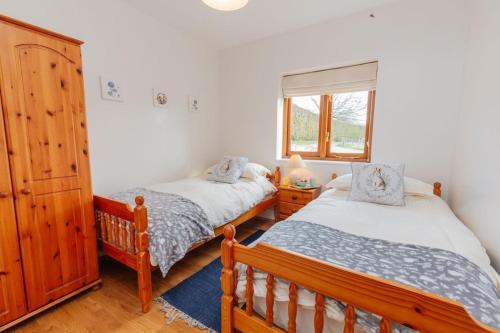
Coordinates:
[413,187]
[210,169]
[251,171]
[342,183]
[254,171]
[416,187]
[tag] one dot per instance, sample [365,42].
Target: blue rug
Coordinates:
[196,300]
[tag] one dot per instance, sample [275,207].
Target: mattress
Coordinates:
[221,202]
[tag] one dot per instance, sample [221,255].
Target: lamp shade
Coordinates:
[226,5]
[296,162]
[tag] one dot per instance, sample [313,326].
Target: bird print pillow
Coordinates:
[378,183]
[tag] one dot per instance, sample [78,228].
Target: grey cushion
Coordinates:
[378,183]
[229,169]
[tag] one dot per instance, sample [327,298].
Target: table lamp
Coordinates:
[298,170]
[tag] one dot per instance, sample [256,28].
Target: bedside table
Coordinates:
[292,199]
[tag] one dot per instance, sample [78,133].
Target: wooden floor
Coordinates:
[115,307]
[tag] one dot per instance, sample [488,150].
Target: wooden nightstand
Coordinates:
[292,199]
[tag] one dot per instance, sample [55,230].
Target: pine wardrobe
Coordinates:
[48,246]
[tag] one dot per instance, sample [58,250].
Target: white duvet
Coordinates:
[425,220]
[221,202]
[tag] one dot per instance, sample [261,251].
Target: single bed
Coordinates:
[171,219]
[291,277]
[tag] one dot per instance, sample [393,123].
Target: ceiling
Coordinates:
[259,19]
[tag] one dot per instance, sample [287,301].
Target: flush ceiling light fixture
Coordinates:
[226,5]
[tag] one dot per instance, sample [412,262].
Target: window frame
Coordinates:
[324,134]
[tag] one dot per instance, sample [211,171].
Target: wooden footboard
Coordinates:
[122,232]
[394,303]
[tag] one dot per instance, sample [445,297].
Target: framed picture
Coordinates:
[160,98]
[111,90]
[194,104]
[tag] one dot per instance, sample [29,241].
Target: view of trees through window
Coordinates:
[348,123]
[304,123]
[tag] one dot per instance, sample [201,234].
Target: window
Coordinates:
[335,124]
[304,123]
[334,127]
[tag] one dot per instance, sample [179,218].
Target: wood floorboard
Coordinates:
[115,307]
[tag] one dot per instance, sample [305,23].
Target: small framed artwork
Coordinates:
[160,98]
[111,90]
[194,104]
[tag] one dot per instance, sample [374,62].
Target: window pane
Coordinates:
[304,123]
[349,115]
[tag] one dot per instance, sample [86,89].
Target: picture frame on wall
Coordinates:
[111,90]
[160,98]
[194,104]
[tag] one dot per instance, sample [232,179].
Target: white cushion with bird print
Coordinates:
[228,170]
[378,183]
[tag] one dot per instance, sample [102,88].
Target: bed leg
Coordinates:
[228,280]
[143,262]
[144,281]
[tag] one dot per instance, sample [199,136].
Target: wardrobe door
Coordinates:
[12,298]
[45,116]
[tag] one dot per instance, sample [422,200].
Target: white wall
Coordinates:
[475,195]
[420,48]
[133,143]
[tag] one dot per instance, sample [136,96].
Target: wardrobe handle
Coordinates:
[4,195]
[25,191]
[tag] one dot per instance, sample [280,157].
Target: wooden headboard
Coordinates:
[275,177]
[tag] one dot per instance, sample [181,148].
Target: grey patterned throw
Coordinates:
[174,224]
[436,271]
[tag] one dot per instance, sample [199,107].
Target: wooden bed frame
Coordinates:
[122,234]
[391,301]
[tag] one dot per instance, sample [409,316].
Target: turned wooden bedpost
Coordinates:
[277,183]
[143,262]
[437,189]
[228,280]
[277,176]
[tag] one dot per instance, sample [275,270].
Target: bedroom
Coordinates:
[434,112]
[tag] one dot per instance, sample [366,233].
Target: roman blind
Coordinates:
[354,78]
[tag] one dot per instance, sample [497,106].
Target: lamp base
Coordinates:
[299,175]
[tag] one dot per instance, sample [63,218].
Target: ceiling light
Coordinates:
[226,5]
